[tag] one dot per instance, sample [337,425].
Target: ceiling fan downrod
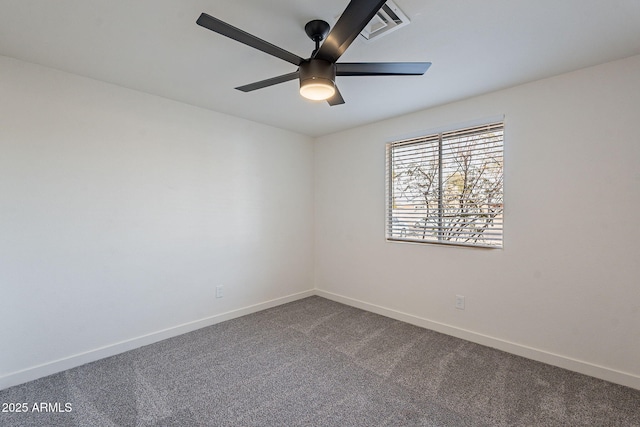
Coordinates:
[317,30]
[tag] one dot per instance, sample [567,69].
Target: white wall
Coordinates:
[566,287]
[120,212]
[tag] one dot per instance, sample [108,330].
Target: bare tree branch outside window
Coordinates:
[447,188]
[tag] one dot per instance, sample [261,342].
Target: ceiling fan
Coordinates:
[317,73]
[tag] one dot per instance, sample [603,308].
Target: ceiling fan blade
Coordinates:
[382,68]
[269,82]
[220,27]
[336,99]
[352,21]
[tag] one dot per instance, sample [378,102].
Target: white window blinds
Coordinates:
[447,188]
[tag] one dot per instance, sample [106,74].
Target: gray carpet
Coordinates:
[315,362]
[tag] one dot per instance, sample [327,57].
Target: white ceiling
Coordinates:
[475,46]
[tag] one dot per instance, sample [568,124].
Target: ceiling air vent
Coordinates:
[389,18]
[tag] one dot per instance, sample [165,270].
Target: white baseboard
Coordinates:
[604,373]
[75,360]
[601,372]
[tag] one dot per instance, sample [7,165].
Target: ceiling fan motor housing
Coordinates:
[317,69]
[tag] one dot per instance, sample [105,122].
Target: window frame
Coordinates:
[442,138]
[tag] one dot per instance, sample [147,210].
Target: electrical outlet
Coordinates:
[219,291]
[460,302]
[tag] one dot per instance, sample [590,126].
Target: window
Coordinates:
[447,188]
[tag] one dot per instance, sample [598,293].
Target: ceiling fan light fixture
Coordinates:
[317,74]
[317,89]
[317,79]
